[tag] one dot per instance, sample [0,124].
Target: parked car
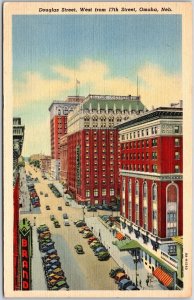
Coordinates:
[47,207]
[87,235]
[55,277]
[52,263]
[46,259]
[92,239]
[59,285]
[119,276]
[79,249]
[51,251]
[84,229]
[65,216]
[91,208]
[126,284]
[59,207]
[57,271]
[103,256]
[52,217]
[99,249]
[80,224]
[45,233]
[47,247]
[113,272]
[95,244]
[42,228]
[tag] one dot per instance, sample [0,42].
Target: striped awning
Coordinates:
[162,276]
[120,236]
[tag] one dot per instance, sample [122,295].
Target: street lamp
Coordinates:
[135,261]
[83,207]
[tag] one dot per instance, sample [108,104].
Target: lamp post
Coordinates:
[83,207]
[135,261]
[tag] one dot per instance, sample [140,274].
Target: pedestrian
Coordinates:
[147,281]
[140,283]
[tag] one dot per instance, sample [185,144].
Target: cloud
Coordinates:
[156,86]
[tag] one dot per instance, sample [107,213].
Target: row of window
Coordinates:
[139,155]
[104,192]
[146,132]
[145,168]
[146,143]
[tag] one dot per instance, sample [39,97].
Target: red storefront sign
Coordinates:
[25,264]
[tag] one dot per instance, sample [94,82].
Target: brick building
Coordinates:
[92,146]
[58,127]
[152,184]
[45,164]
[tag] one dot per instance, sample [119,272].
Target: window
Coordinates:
[154,192]
[177,155]
[154,142]
[177,142]
[112,192]
[154,155]
[142,132]
[145,189]
[147,132]
[95,192]
[103,192]
[137,188]
[154,168]
[87,193]
[177,169]
[171,216]
[147,155]
[172,250]
[176,129]
[154,215]
[142,156]
[147,143]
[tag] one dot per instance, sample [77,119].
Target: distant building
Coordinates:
[93,152]
[45,164]
[59,111]
[63,159]
[18,139]
[152,186]
[38,157]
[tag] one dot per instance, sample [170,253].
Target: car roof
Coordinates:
[124,281]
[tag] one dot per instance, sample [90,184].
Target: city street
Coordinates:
[83,272]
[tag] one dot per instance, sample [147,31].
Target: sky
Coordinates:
[105,53]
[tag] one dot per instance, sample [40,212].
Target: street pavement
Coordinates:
[83,272]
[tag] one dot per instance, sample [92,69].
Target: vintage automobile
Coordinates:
[92,239]
[67,203]
[66,223]
[119,276]
[57,271]
[53,262]
[47,247]
[79,249]
[113,272]
[50,258]
[99,249]
[51,251]
[80,224]
[59,207]
[52,217]
[65,216]
[42,228]
[46,234]
[55,277]
[59,285]
[87,235]
[48,207]
[56,224]
[103,256]
[126,284]
[84,228]
[96,245]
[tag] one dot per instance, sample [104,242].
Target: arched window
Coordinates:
[154,209]
[145,206]
[145,190]
[129,200]
[59,112]
[172,210]
[154,192]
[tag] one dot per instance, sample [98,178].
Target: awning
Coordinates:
[120,236]
[127,245]
[162,276]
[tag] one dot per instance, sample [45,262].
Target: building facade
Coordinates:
[18,138]
[152,182]
[45,164]
[92,146]
[59,111]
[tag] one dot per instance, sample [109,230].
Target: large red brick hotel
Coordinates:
[152,184]
[93,148]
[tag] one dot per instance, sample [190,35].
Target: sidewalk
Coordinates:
[38,276]
[123,258]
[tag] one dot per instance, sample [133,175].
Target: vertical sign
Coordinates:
[25,263]
[78,173]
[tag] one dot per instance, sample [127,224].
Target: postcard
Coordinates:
[97,149]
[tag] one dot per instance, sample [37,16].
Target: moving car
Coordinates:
[59,207]
[113,272]
[79,249]
[52,217]
[66,223]
[56,224]
[46,195]
[47,207]
[65,216]
[41,193]
[67,203]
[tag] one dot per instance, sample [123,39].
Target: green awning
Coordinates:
[132,244]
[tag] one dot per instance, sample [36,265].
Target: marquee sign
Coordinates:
[25,274]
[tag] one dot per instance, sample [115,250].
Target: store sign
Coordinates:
[78,172]
[25,264]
